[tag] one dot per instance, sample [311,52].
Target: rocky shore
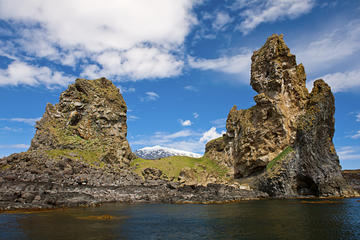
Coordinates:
[282,147]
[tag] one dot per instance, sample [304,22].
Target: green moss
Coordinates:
[90,157]
[279,157]
[7,166]
[172,166]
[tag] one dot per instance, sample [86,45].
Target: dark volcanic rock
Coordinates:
[353,178]
[285,140]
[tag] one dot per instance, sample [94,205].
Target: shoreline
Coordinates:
[304,200]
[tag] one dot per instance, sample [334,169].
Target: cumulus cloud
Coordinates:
[210,134]
[185,123]
[21,73]
[256,12]
[238,64]
[136,63]
[358,117]
[196,115]
[341,81]
[123,39]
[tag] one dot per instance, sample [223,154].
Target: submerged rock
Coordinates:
[285,140]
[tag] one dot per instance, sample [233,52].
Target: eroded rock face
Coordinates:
[256,135]
[285,115]
[90,116]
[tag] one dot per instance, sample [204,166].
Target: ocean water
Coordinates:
[258,219]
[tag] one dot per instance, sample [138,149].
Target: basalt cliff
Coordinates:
[281,147]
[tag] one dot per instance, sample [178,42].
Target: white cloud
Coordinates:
[256,12]
[219,123]
[196,115]
[357,135]
[222,19]
[187,145]
[238,64]
[329,48]
[185,123]
[210,134]
[10,129]
[187,140]
[348,153]
[132,117]
[191,88]
[21,146]
[150,96]
[30,121]
[20,73]
[179,134]
[125,40]
[341,81]
[126,90]
[358,117]
[136,63]
[162,138]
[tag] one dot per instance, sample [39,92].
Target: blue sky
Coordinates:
[180,64]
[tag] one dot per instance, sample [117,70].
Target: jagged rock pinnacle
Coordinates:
[90,116]
[287,128]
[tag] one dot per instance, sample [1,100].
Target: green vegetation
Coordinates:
[172,166]
[279,157]
[7,166]
[90,157]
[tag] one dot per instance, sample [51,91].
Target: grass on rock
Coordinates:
[279,157]
[172,166]
[90,157]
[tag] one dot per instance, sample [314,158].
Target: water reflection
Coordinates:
[265,219]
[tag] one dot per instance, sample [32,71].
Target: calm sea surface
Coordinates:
[263,219]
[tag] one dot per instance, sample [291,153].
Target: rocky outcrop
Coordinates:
[91,117]
[352,177]
[80,141]
[286,138]
[281,147]
[80,156]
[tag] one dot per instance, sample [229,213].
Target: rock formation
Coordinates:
[286,138]
[281,147]
[91,117]
[80,156]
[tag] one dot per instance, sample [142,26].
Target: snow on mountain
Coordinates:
[161,152]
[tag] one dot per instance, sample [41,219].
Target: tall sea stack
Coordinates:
[283,145]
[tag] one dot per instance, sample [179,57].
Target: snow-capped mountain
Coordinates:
[161,152]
